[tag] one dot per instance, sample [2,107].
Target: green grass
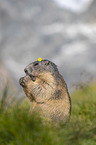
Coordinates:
[18,127]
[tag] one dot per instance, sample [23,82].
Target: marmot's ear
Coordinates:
[46,62]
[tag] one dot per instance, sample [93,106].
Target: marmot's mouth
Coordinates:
[33,78]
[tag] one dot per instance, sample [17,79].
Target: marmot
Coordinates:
[46,88]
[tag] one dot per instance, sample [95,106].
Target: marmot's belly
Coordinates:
[56,111]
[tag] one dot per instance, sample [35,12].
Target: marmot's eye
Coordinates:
[36,64]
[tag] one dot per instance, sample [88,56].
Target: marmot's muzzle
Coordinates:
[22,81]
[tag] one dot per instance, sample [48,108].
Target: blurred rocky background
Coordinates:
[63,32]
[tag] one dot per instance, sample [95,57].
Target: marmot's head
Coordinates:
[40,80]
[36,68]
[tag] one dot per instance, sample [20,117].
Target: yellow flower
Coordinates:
[39,59]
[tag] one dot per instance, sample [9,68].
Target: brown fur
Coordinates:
[49,93]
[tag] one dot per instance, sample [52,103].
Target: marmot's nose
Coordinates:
[26,71]
[21,81]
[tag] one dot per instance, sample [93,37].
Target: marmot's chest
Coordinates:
[43,91]
[44,87]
